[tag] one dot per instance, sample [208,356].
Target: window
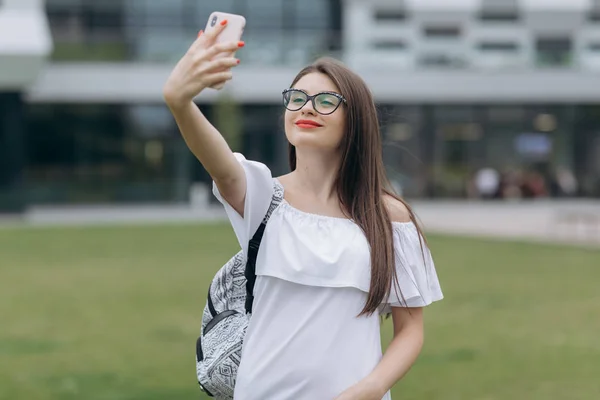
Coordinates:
[499,16]
[498,46]
[442,32]
[101,153]
[389,44]
[499,10]
[308,14]
[594,16]
[97,19]
[390,15]
[554,51]
[505,114]
[265,16]
[442,60]
[86,19]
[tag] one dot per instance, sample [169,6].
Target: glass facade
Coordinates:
[122,153]
[12,152]
[100,153]
[277,31]
[437,149]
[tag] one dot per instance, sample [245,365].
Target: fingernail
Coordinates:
[241,44]
[238,61]
[224,22]
[200,33]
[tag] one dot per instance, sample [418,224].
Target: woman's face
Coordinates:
[306,128]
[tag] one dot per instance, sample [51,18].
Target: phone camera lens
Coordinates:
[213,22]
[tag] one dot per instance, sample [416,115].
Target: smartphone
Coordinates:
[232,32]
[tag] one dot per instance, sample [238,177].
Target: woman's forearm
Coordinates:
[398,358]
[213,152]
[198,69]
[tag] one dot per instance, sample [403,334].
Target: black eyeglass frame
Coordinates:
[312,100]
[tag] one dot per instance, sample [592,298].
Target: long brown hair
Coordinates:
[361,181]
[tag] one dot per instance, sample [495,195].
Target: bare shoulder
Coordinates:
[397,210]
[284,179]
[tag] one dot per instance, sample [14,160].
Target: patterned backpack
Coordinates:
[226,316]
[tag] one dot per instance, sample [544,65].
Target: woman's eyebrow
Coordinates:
[321,91]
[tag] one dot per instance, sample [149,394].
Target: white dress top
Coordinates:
[304,340]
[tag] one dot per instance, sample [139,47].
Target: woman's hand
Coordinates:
[199,68]
[362,391]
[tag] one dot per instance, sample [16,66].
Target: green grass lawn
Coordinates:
[113,313]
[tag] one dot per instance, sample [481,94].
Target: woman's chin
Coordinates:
[314,145]
[316,139]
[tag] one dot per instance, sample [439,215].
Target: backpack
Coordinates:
[226,316]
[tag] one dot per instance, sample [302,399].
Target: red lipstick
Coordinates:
[307,124]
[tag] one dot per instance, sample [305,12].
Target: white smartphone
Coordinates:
[232,32]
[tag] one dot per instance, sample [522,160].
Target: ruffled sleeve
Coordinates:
[417,278]
[259,192]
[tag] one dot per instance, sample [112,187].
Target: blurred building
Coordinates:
[25,43]
[462,85]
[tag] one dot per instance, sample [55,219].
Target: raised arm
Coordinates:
[197,70]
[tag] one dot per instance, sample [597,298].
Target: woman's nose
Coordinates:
[308,108]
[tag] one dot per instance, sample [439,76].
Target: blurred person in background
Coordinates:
[565,182]
[487,183]
[338,252]
[510,186]
[534,185]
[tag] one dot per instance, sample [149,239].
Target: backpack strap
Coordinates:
[254,245]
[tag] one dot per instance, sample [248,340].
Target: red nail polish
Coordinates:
[200,33]
[238,61]
[241,44]
[224,22]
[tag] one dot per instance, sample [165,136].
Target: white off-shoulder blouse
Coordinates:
[304,340]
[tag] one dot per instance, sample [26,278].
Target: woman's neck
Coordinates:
[315,174]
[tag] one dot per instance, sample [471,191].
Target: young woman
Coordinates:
[337,253]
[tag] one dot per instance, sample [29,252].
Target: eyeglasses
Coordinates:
[324,103]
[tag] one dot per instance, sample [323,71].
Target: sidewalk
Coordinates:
[568,221]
